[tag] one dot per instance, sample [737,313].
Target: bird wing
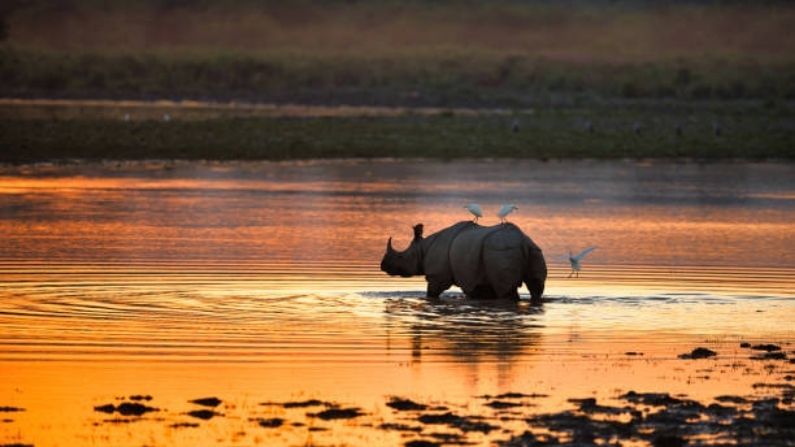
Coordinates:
[505,210]
[583,253]
[476,210]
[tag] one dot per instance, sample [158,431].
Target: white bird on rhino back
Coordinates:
[506,210]
[474,208]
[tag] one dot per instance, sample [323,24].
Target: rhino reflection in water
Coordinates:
[486,262]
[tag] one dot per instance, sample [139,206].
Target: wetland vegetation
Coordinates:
[649,80]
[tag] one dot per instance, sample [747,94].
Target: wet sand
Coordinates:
[131,294]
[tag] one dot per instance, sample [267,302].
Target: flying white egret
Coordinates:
[506,210]
[575,261]
[474,208]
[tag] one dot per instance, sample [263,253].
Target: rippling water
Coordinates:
[260,282]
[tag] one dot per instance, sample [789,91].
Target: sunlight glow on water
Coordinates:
[260,282]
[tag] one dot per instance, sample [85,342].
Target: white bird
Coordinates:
[575,261]
[166,117]
[506,210]
[474,208]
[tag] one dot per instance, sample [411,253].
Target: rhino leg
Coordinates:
[536,288]
[435,288]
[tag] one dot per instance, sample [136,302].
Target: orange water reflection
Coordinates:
[260,282]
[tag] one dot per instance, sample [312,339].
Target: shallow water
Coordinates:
[259,282]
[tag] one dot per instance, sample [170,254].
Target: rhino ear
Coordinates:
[418,231]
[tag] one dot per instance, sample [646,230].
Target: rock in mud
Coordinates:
[108,408]
[271,422]
[11,409]
[698,353]
[745,344]
[126,409]
[203,414]
[207,401]
[767,347]
[133,409]
[405,404]
[16,445]
[338,413]
[140,397]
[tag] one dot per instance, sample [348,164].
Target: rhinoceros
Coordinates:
[486,262]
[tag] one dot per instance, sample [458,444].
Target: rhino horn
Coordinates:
[389,248]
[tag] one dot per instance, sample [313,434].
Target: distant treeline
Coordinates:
[509,53]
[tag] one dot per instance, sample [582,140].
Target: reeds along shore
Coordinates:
[751,132]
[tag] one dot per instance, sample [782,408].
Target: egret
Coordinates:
[575,261]
[474,208]
[506,210]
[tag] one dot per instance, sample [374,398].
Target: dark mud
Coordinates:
[271,422]
[203,414]
[301,404]
[699,353]
[207,401]
[337,413]
[126,409]
[762,415]
[405,404]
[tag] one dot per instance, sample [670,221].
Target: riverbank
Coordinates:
[32,132]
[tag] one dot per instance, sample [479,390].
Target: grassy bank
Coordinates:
[435,77]
[634,132]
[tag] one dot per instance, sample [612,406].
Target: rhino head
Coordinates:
[407,262]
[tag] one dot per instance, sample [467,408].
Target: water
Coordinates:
[259,282]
